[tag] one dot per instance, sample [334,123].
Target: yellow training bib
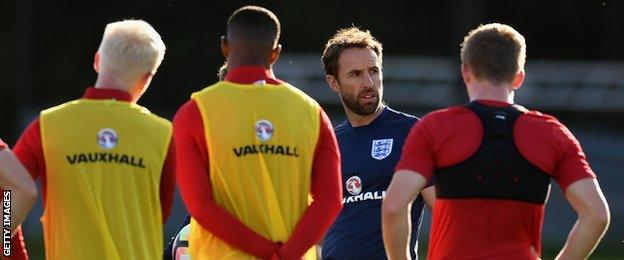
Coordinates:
[261,140]
[104,160]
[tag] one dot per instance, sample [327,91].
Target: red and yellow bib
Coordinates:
[104,160]
[261,141]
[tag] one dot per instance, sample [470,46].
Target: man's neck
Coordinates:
[104,82]
[359,120]
[488,91]
[239,60]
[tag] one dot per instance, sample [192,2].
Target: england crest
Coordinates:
[381,148]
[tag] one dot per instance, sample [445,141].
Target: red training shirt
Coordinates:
[490,228]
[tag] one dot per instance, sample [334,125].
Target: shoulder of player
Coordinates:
[342,127]
[152,120]
[396,115]
[60,106]
[446,114]
[299,93]
[537,119]
[209,88]
[159,120]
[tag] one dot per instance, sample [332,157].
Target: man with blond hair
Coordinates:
[370,143]
[106,163]
[493,161]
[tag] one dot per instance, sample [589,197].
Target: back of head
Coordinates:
[494,52]
[129,50]
[256,28]
[348,38]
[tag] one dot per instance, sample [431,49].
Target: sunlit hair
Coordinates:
[129,50]
[494,52]
[344,39]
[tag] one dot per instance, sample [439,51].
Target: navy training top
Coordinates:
[369,154]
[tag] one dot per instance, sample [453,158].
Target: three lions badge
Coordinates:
[381,148]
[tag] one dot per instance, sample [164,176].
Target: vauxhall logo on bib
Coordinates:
[381,148]
[264,130]
[107,138]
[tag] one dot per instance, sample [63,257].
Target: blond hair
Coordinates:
[495,52]
[129,50]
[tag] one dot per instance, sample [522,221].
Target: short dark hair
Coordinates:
[254,24]
[495,52]
[344,39]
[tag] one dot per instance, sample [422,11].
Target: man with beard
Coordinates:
[370,144]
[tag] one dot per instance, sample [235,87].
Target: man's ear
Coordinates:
[518,79]
[275,53]
[96,62]
[466,74]
[141,86]
[225,47]
[333,83]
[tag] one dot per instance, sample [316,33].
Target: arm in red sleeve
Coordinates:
[326,191]
[571,163]
[28,150]
[167,182]
[417,156]
[18,247]
[193,177]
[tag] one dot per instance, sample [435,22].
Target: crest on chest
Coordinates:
[381,148]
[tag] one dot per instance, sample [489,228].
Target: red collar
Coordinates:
[251,74]
[107,93]
[492,103]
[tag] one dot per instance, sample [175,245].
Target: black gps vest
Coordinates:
[496,170]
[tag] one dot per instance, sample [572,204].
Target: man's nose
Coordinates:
[368,80]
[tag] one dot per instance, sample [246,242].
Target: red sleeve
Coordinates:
[30,152]
[417,155]
[326,191]
[571,163]
[193,179]
[550,146]
[167,182]
[2,145]
[18,247]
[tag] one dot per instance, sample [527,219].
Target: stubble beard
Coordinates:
[353,104]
